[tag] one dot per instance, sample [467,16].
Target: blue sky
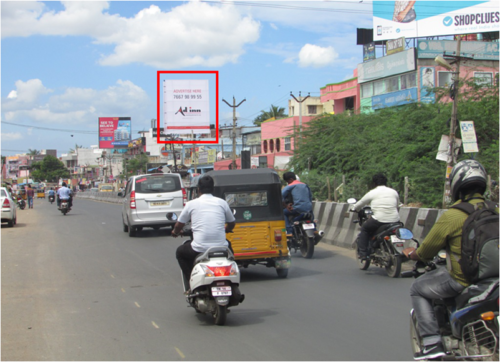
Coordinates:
[64,64]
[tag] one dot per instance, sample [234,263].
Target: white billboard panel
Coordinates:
[413,19]
[186,106]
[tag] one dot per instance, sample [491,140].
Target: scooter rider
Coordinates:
[52,193]
[468,183]
[64,193]
[384,203]
[208,215]
[297,198]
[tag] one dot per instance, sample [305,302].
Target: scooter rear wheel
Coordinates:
[220,314]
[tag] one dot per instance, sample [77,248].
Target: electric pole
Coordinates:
[299,101]
[234,106]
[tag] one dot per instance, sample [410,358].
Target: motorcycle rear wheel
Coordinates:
[220,315]
[307,247]
[394,270]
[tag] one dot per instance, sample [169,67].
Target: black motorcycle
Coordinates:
[52,198]
[386,246]
[304,235]
[468,323]
[21,203]
[64,207]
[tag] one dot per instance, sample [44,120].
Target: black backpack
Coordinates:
[479,257]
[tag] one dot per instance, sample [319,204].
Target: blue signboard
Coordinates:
[395,98]
[430,49]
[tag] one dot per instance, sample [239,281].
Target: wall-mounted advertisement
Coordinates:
[114,132]
[430,49]
[186,106]
[384,67]
[413,19]
[427,81]
[395,98]
[369,52]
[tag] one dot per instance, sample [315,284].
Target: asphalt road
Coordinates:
[77,287]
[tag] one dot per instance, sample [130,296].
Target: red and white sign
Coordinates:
[186,106]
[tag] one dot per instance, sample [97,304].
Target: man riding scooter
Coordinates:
[52,195]
[64,193]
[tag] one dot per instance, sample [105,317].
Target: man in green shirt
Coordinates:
[468,183]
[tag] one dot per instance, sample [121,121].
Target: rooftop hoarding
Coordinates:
[389,65]
[413,19]
[114,132]
[430,49]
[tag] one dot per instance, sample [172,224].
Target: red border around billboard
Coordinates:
[158,111]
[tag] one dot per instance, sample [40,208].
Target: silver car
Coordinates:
[9,207]
[148,200]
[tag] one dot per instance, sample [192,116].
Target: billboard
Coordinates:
[186,106]
[114,132]
[384,67]
[427,82]
[430,49]
[413,19]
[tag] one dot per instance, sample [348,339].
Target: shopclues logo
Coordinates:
[476,19]
[189,111]
[447,21]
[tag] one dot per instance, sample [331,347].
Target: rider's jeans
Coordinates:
[367,230]
[437,284]
[287,214]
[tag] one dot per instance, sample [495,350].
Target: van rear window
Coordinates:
[155,184]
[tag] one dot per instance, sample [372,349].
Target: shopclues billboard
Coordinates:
[114,132]
[413,19]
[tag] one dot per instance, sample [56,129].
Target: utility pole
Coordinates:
[299,101]
[234,106]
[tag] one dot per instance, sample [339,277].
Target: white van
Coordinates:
[148,200]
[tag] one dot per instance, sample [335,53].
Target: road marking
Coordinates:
[155,325]
[137,304]
[180,353]
[112,276]
[123,290]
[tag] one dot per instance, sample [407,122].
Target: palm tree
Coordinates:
[273,112]
[33,152]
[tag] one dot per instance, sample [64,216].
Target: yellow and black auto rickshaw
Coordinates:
[254,195]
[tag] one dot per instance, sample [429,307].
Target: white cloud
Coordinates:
[76,105]
[11,136]
[12,95]
[315,56]
[191,34]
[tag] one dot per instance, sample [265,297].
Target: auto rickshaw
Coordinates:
[40,194]
[254,195]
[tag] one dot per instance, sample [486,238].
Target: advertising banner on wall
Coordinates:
[430,49]
[413,19]
[427,81]
[384,67]
[395,98]
[369,52]
[114,132]
[186,106]
[395,46]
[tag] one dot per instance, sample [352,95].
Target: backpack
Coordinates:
[479,256]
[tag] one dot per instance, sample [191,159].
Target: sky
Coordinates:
[65,64]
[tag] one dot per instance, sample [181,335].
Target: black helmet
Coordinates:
[467,174]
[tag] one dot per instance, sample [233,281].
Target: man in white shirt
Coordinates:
[64,193]
[384,203]
[208,215]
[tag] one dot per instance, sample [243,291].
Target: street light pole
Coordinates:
[299,101]
[234,106]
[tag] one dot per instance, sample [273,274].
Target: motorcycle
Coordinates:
[52,199]
[386,246]
[468,323]
[64,207]
[21,202]
[304,235]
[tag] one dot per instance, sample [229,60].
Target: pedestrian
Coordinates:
[31,194]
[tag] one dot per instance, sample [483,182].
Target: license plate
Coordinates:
[221,291]
[395,239]
[308,226]
[162,203]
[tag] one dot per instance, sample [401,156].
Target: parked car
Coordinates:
[148,200]
[9,208]
[106,188]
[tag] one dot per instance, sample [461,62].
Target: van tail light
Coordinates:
[132,200]
[184,197]
[277,235]
[6,204]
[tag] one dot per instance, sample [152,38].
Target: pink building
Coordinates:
[345,95]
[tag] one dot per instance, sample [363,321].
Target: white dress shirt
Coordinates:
[384,203]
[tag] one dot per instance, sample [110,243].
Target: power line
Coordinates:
[51,129]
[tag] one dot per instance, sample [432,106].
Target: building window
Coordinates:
[483,78]
[264,145]
[292,110]
[278,144]
[262,161]
[378,87]
[366,90]
[271,146]
[288,143]
[312,109]
[392,84]
[445,79]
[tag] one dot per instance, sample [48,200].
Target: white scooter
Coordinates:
[214,283]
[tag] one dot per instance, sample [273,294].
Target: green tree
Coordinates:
[33,152]
[274,111]
[49,169]
[136,165]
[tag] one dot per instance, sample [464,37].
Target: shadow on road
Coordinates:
[239,317]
